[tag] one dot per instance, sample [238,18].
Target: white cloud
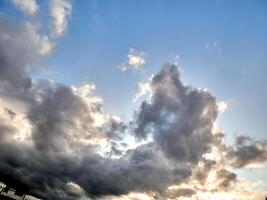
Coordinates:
[143,89]
[27,6]
[222,106]
[135,60]
[60,10]
[43,45]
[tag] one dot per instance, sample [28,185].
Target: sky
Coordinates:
[221,46]
[113,91]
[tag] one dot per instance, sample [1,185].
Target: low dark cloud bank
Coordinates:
[60,152]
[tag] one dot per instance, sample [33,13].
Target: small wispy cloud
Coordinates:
[215,46]
[60,10]
[27,6]
[222,106]
[135,60]
[210,45]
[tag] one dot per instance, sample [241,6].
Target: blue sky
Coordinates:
[100,34]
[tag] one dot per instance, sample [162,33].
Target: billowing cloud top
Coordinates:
[52,136]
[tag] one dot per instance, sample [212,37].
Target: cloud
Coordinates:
[181,192]
[60,159]
[52,147]
[61,152]
[225,178]
[180,118]
[21,48]
[135,60]
[60,10]
[27,6]
[222,106]
[143,89]
[248,152]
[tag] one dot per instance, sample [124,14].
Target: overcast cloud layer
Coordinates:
[52,135]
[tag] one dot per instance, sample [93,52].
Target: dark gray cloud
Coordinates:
[247,152]
[21,49]
[225,179]
[202,172]
[180,118]
[54,117]
[57,155]
[15,55]
[47,174]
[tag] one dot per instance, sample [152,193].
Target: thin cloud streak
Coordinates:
[60,11]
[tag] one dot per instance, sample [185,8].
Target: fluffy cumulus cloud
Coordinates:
[52,136]
[179,118]
[28,6]
[135,60]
